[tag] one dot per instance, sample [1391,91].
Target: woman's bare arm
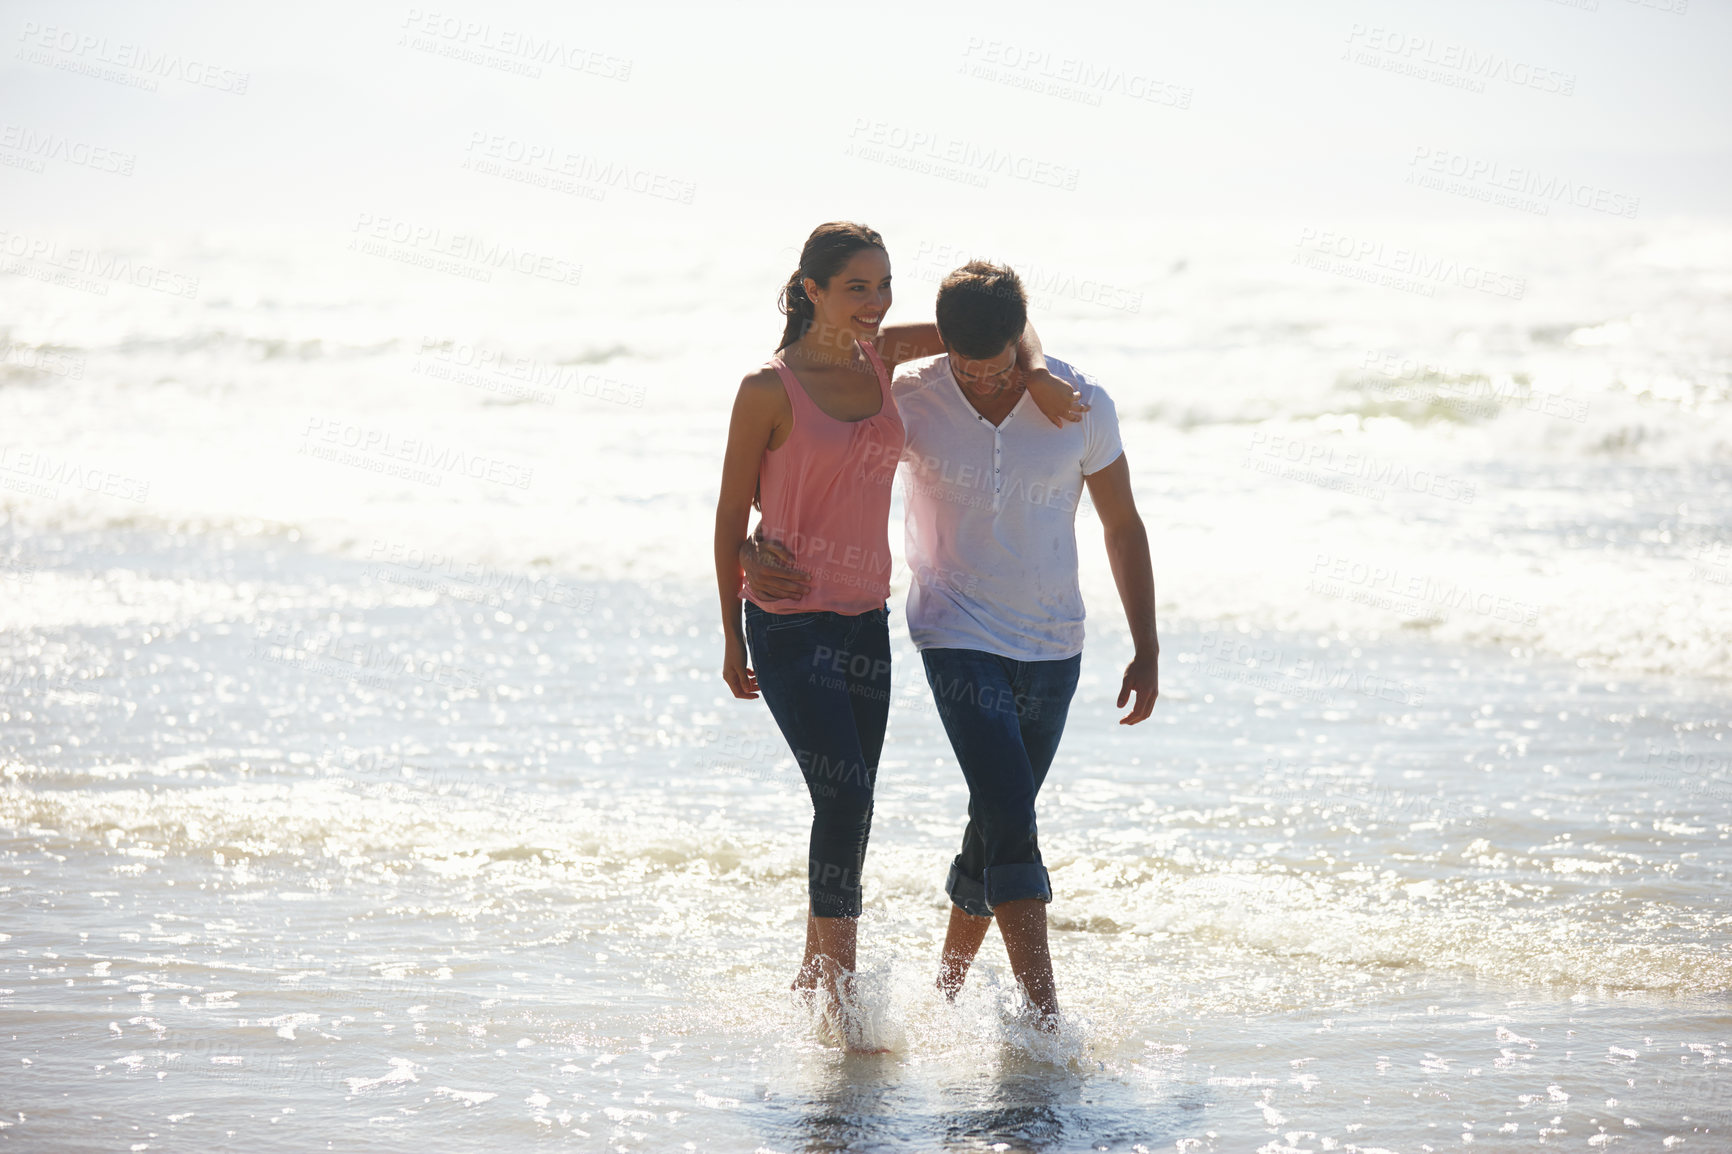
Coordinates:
[759,408]
[897,344]
[1057,399]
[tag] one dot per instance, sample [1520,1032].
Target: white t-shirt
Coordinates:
[992,515]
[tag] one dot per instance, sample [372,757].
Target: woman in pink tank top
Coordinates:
[814,440]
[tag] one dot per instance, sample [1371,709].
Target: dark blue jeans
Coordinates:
[826,678]
[1004,718]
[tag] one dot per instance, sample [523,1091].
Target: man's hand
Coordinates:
[1143,678]
[1056,398]
[1134,574]
[770,571]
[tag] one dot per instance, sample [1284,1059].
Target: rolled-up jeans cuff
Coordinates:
[968,894]
[1016,882]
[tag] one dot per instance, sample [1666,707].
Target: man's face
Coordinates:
[985,378]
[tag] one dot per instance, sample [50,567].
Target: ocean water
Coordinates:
[366,781]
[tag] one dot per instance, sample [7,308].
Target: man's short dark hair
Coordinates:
[981,309]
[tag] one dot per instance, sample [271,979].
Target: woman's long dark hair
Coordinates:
[825,252]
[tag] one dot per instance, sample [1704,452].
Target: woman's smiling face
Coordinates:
[857,297]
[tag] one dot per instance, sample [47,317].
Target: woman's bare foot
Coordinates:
[827,972]
[806,978]
[844,1020]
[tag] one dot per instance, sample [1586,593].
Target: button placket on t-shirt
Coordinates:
[997,461]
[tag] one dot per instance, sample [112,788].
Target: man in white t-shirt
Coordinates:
[995,606]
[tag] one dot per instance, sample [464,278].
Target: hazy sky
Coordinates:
[318,111]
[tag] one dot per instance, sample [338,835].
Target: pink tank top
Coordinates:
[825,496]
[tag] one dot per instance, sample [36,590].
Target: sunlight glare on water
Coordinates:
[1280,915]
[366,778]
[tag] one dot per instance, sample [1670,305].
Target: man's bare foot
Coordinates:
[1022,924]
[950,979]
[961,942]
